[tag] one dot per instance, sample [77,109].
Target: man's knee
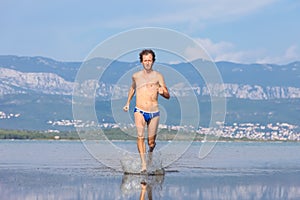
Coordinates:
[151,143]
[140,141]
[140,132]
[140,137]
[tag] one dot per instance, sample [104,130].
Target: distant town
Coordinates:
[236,131]
[250,131]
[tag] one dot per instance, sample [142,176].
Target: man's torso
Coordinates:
[147,91]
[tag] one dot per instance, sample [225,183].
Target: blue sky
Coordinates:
[257,31]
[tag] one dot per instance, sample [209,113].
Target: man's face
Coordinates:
[147,61]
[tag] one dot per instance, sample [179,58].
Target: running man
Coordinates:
[147,84]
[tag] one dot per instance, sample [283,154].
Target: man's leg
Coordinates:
[143,190]
[152,131]
[140,127]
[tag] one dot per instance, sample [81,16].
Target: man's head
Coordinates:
[146,52]
[147,58]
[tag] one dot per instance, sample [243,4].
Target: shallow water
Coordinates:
[233,170]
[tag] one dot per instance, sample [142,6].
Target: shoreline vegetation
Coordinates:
[117,134]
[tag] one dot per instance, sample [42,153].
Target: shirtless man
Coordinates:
[147,84]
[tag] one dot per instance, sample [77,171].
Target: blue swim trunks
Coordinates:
[147,115]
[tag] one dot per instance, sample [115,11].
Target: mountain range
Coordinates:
[36,90]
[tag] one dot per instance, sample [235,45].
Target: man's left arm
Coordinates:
[163,90]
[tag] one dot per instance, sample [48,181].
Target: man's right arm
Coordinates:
[130,95]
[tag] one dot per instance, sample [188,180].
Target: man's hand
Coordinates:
[163,91]
[126,108]
[160,90]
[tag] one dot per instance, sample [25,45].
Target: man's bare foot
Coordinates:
[144,168]
[143,184]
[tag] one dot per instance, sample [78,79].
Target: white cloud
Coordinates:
[289,55]
[194,53]
[214,49]
[292,52]
[210,50]
[226,51]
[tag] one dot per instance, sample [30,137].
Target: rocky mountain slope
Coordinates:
[36,90]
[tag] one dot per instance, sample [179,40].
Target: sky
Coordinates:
[257,31]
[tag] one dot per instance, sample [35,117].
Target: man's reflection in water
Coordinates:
[144,189]
[146,185]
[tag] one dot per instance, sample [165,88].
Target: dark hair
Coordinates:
[146,52]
